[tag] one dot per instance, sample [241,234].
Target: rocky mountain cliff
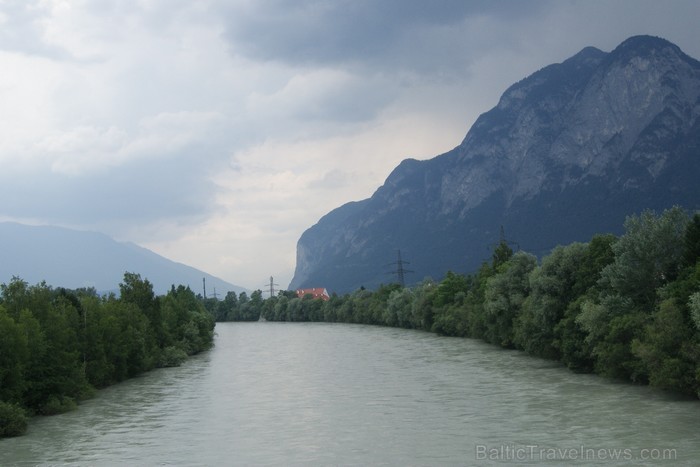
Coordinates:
[73,259]
[568,152]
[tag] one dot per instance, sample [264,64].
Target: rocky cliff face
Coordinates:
[568,152]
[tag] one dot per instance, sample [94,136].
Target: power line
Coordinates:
[271,285]
[502,240]
[204,289]
[400,270]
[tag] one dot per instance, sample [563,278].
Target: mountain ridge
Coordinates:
[573,147]
[73,259]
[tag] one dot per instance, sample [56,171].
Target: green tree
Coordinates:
[648,255]
[552,290]
[187,322]
[691,253]
[502,253]
[575,350]
[504,297]
[139,291]
[13,358]
[694,304]
[669,350]
[13,420]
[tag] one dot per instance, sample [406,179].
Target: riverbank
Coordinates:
[626,308]
[60,345]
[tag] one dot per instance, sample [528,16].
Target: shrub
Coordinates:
[58,405]
[13,420]
[172,356]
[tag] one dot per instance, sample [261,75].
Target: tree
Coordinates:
[694,305]
[552,289]
[647,256]
[669,351]
[504,296]
[13,420]
[398,310]
[570,338]
[140,292]
[13,358]
[502,253]
[691,253]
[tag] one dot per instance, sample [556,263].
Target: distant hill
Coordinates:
[72,259]
[567,152]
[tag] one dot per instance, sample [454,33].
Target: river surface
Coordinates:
[329,394]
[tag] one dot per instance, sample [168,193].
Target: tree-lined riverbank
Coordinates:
[59,345]
[625,307]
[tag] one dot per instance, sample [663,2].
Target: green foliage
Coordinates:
[448,289]
[691,241]
[241,308]
[669,351]
[502,253]
[647,259]
[505,294]
[625,308]
[647,256]
[57,345]
[14,353]
[694,305]
[552,289]
[172,356]
[571,339]
[55,405]
[13,420]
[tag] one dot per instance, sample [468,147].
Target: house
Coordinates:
[318,292]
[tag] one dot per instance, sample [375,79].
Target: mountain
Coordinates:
[70,258]
[567,152]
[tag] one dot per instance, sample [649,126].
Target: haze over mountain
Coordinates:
[567,152]
[72,259]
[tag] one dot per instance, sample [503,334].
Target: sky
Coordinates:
[215,132]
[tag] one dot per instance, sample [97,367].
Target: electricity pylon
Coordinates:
[400,270]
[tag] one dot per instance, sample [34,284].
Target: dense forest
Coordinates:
[626,307]
[57,346]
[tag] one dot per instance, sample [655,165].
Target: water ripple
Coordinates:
[323,394]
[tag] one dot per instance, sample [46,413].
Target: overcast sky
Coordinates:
[214,132]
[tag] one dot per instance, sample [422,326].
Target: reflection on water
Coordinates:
[312,393]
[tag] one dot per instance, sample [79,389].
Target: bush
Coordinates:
[172,356]
[58,405]
[13,420]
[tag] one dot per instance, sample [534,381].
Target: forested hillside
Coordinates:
[57,346]
[626,307]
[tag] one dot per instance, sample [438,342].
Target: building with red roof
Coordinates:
[318,292]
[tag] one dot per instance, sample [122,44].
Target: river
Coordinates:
[329,394]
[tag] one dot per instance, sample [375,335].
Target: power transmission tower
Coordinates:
[502,240]
[502,250]
[400,270]
[272,287]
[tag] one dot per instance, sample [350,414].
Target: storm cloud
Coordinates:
[215,132]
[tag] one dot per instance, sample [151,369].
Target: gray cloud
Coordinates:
[387,34]
[145,191]
[21,31]
[216,131]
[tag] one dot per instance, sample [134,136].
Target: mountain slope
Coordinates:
[566,153]
[70,258]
